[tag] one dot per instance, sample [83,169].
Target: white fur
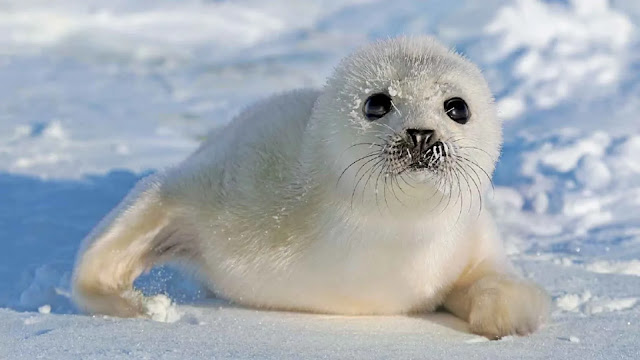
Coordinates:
[261,213]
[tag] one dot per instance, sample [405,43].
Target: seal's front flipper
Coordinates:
[140,233]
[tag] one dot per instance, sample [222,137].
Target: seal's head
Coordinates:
[410,112]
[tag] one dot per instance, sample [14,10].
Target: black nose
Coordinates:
[420,137]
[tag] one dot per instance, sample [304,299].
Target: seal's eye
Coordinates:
[376,106]
[457,110]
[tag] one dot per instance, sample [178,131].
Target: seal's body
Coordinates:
[362,198]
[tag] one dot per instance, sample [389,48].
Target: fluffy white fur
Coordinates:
[262,212]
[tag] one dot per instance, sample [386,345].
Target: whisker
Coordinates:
[358,144]
[362,143]
[455,171]
[392,187]
[384,189]
[481,169]
[353,163]
[450,183]
[363,174]
[394,181]
[441,181]
[464,173]
[395,107]
[478,149]
[478,190]
[363,165]
[401,175]
[355,188]
[386,126]
[376,187]
[395,178]
[373,169]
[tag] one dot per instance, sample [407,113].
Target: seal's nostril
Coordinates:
[419,137]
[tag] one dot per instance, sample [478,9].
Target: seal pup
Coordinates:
[365,197]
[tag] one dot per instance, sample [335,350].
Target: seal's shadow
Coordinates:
[42,223]
[446,319]
[440,317]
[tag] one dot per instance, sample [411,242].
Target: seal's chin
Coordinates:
[422,175]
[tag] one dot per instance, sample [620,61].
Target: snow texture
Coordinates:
[96,94]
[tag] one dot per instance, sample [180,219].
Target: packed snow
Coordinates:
[96,94]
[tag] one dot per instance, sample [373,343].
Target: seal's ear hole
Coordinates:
[377,106]
[457,110]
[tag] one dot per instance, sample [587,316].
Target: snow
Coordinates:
[227,332]
[160,308]
[97,94]
[619,267]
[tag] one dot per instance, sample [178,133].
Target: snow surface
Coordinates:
[95,94]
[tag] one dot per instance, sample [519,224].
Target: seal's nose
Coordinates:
[420,137]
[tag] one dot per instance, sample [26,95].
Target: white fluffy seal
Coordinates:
[362,198]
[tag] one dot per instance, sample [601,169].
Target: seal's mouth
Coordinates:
[433,158]
[402,156]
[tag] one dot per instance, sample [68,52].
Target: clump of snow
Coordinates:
[589,305]
[160,308]
[477,339]
[44,309]
[592,172]
[618,267]
[507,197]
[573,302]
[511,107]
[540,202]
[565,158]
[608,305]
[574,339]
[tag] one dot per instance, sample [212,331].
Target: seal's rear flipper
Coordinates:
[138,234]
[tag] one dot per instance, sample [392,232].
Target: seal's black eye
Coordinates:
[457,110]
[376,106]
